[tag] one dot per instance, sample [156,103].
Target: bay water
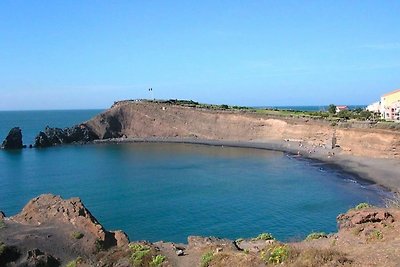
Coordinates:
[170,191]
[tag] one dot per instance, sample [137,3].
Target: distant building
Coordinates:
[390,106]
[374,107]
[341,108]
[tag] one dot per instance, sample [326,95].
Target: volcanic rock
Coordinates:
[56,136]
[356,217]
[13,139]
[51,209]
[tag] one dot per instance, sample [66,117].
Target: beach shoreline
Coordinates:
[380,171]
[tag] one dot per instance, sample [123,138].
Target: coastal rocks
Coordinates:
[56,136]
[51,209]
[357,217]
[13,139]
[2,215]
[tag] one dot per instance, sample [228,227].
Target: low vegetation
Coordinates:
[308,257]
[264,236]
[316,235]
[77,235]
[157,260]
[206,259]
[361,206]
[2,224]
[276,254]
[139,254]
[376,235]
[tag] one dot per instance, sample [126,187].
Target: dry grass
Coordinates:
[313,257]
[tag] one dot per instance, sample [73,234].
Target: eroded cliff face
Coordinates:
[144,119]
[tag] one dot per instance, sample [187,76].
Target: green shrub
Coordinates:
[77,235]
[206,259]
[362,206]
[264,236]
[316,235]
[139,252]
[157,260]
[275,255]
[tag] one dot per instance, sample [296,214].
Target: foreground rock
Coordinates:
[13,139]
[56,136]
[50,229]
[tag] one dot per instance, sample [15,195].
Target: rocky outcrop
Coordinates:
[57,136]
[368,215]
[51,209]
[13,139]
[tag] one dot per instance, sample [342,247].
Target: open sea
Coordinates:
[170,191]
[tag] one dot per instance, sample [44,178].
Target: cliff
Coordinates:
[135,119]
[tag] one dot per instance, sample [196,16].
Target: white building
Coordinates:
[374,107]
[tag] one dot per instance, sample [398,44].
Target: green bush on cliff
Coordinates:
[77,235]
[316,235]
[362,205]
[206,259]
[264,236]
[139,252]
[157,260]
[275,255]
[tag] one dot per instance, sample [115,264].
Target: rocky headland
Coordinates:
[51,231]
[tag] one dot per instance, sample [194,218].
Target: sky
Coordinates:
[88,54]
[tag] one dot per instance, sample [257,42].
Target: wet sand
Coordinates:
[384,172]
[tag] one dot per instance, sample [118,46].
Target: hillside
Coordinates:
[136,119]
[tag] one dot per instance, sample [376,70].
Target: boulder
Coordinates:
[2,215]
[57,136]
[13,139]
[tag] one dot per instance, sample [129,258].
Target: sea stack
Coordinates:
[13,139]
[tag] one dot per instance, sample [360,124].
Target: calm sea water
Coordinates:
[170,191]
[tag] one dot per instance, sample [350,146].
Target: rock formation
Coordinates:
[56,136]
[13,139]
[48,208]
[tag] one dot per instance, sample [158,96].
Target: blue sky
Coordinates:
[86,54]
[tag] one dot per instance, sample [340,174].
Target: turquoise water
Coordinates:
[170,191]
